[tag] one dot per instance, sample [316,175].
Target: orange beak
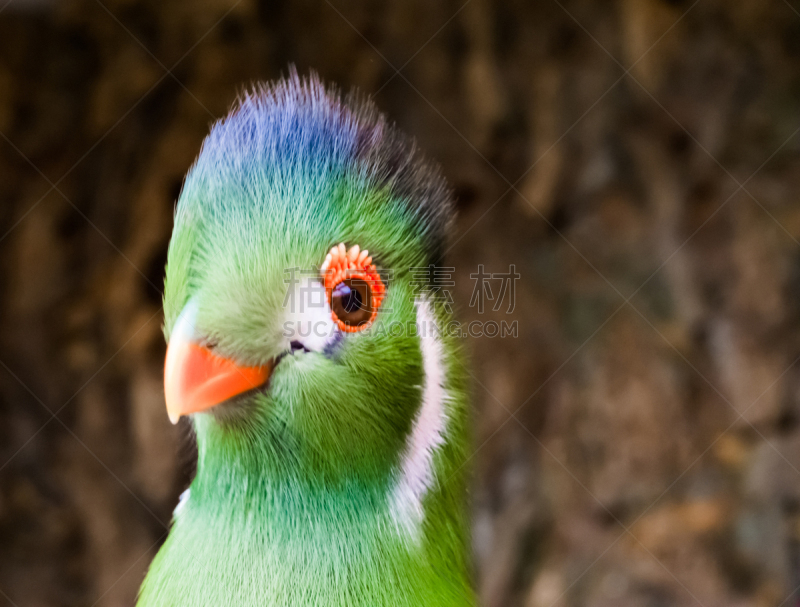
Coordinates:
[196,379]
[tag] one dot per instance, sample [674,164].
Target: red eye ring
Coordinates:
[351,274]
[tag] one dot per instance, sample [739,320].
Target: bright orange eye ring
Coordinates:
[353,287]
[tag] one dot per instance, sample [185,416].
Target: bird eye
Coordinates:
[351,301]
[354,288]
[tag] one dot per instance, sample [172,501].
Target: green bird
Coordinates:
[307,343]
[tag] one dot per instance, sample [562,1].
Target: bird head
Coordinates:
[300,339]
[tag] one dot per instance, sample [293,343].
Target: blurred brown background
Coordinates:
[638,442]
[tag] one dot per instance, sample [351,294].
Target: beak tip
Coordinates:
[174,417]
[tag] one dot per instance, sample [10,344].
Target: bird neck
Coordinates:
[306,543]
[275,497]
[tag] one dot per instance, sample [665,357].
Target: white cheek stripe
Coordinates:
[184,497]
[416,474]
[308,315]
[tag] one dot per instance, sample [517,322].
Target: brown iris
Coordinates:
[351,302]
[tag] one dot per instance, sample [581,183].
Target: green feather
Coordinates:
[292,503]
